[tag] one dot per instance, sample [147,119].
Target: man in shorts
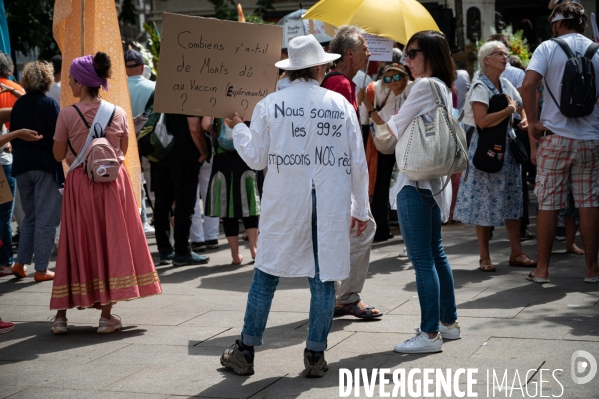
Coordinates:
[568,148]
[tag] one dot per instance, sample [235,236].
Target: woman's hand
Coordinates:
[523,125]
[7,89]
[27,135]
[368,104]
[512,105]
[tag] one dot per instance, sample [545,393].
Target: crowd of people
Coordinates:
[314,218]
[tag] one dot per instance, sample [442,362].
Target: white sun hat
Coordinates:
[305,52]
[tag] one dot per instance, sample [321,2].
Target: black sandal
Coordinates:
[352,309]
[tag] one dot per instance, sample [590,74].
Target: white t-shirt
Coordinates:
[549,60]
[514,75]
[480,93]
[54,92]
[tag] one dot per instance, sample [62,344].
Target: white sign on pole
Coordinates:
[380,48]
[291,30]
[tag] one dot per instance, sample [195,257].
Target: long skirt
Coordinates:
[103,256]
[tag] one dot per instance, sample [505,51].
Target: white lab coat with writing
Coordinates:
[309,137]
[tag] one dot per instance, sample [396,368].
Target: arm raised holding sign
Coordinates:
[252,143]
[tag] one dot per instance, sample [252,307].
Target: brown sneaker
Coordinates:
[315,364]
[19,271]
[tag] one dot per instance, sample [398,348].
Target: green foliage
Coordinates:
[154,43]
[224,9]
[263,7]
[30,26]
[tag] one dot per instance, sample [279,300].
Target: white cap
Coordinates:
[305,52]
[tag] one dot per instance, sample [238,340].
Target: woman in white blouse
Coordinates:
[420,214]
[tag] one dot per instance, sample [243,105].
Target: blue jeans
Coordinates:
[420,222]
[6,255]
[42,205]
[322,303]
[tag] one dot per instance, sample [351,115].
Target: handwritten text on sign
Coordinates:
[330,124]
[215,68]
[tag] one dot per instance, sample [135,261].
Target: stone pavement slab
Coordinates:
[171,343]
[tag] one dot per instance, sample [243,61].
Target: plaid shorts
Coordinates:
[561,160]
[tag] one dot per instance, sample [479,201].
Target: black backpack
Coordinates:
[579,91]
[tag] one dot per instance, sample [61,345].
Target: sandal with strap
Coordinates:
[353,310]
[522,260]
[485,265]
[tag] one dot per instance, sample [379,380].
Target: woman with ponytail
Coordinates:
[100,226]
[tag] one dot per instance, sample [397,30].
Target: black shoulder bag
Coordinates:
[490,151]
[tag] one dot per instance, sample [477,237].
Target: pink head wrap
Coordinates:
[82,69]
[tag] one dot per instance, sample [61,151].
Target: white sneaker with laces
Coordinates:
[420,343]
[450,332]
[108,326]
[149,230]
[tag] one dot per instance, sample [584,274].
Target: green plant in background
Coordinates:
[154,43]
[518,44]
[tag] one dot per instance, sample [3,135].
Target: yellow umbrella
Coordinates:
[397,20]
[82,27]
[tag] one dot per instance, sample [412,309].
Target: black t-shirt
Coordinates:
[185,150]
[37,112]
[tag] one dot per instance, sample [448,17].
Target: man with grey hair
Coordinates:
[350,44]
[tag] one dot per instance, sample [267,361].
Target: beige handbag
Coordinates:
[432,149]
[383,139]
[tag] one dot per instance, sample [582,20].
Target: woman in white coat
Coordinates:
[309,138]
[420,214]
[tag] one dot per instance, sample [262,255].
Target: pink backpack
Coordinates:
[99,159]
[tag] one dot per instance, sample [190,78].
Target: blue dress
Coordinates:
[487,199]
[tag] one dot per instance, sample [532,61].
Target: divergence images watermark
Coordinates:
[459,383]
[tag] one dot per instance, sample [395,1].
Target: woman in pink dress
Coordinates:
[100,225]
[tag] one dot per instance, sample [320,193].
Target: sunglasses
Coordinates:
[397,78]
[413,52]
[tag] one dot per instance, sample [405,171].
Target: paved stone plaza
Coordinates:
[171,343]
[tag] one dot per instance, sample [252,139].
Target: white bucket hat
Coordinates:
[305,52]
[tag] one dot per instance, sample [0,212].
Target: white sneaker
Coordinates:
[420,343]
[404,253]
[108,326]
[450,332]
[149,230]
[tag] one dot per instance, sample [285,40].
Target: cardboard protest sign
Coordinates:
[215,68]
[380,47]
[5,193]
